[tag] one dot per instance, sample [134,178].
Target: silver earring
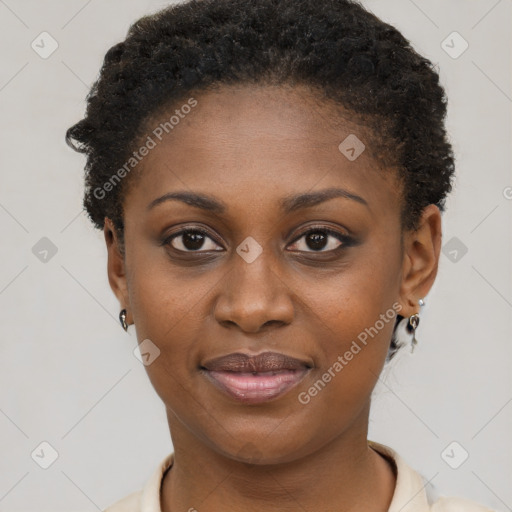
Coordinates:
[412,324]
[122,319]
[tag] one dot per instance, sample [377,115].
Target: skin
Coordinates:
[262,144]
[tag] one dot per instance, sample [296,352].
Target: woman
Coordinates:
[270,178]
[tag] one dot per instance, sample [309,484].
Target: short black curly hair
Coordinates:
[335,47]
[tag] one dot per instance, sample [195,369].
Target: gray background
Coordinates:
[68,375]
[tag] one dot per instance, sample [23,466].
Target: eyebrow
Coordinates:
[293,203]
[288,204]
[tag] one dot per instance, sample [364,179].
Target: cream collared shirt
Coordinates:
[412,492]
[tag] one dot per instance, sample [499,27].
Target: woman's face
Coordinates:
[264,274]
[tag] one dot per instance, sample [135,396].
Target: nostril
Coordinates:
[271,322]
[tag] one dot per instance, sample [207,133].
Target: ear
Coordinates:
[421,259]
[116,266]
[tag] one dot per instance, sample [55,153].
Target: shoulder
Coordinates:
[453,504]
[407,497]
[148,498]
[130,503]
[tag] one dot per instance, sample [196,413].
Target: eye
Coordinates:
[192,240]
[319,238]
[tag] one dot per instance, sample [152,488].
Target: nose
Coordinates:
[253,297]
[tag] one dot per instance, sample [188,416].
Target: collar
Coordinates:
[409,496]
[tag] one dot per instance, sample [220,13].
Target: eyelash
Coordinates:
[346,240]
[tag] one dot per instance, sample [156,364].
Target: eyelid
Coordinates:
[169,238]
[345,239]
[320,227]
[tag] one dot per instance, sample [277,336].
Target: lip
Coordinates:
[263,362]
[255,379]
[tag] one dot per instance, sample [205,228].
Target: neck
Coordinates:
[343,475]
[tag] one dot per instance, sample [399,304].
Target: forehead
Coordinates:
[239,115]
[260,140]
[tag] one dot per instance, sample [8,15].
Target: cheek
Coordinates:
[352,320]
[341,387]
[355,303]
[160,310]
[165,301]
[170,309]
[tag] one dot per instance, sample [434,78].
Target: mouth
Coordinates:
[255,379]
